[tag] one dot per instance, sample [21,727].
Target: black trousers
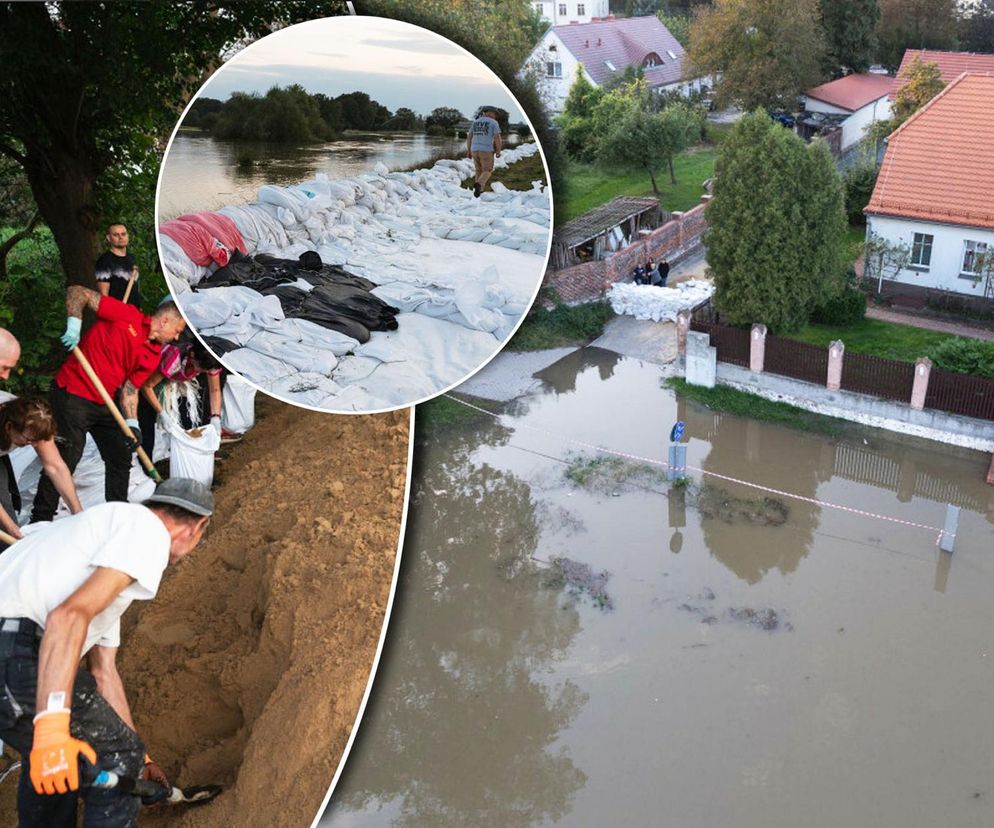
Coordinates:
[118,747]
[76,417]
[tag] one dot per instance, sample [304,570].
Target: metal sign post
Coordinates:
[677,454]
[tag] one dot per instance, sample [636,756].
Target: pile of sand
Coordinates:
[249,667]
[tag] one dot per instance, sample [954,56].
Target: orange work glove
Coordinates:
[55,754]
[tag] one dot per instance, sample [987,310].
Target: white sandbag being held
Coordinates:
[191,453]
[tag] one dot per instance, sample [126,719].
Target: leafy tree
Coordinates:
[977,27]
[443,116]
[359,111]
[775,226]
[64,121]
[643,140]
[678,26]
[405,119]
[922,82]
[915,24]
[642,8]
[850,31]
[331,113]
[858,182]
[575,122]
[203,113]
[766,52]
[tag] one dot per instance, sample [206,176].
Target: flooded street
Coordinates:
[577,642]
[201,173]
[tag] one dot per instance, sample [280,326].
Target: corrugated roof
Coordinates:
[623,43]
[939,165]
[951,64]
[853,91]
[600,219]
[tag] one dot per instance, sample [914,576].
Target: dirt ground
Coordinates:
[249,666]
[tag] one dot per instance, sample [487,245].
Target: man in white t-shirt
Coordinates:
[63,589]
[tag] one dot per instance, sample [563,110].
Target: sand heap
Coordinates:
[249,667]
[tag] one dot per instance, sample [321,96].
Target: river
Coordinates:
[730,657]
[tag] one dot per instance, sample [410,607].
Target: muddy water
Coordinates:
[815,667]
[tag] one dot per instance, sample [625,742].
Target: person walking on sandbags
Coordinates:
[123,347]
[483,144]
[63,590]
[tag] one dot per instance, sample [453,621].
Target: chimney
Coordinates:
[598,41]
[586,44]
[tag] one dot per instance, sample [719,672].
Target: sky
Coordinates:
[395,63]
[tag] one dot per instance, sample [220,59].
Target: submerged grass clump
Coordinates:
[714,502]
[744,404]
[606,473]
[579,579]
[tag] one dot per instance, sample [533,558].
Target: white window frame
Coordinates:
[581,9]
[553,69]
[562,10]
[971,249]
[922,243]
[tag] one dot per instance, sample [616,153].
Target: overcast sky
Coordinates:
[394,63]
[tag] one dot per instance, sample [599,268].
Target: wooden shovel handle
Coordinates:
[131,283]
[10,540]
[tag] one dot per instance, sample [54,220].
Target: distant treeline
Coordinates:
[293,115]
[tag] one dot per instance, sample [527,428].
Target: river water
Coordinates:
[201,173]
[749,662]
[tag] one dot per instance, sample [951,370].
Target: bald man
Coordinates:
[10,353]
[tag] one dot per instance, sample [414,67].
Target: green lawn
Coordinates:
[589,185]
[562,326]
[874,336]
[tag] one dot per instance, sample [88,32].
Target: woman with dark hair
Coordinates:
[27,421]
[173,392]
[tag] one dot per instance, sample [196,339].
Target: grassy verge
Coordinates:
[517,176]
[744,404]
[877,337]
[561,327]
[443,413]
[589,186]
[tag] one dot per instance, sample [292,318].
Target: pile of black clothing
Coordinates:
[339,300]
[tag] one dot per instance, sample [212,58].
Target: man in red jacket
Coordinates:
[123,347]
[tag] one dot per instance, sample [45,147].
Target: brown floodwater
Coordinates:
[743,662]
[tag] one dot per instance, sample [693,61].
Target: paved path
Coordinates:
[511,374]
[925,323]
[642,339]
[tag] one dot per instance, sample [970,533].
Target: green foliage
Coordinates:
[922,82]
[858,182]
[442,414]
[966,356]
[561,326]
[848,308]
[766,52]
[850,31]
[575,135]
[32,307]
[977,29]
[915,24]
[443,116]
[678,25]
[775,226]
[203,113]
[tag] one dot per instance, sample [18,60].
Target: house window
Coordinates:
[562,9]
[553,70]
[651,60]
[580,9]
[974,254]
[921,250]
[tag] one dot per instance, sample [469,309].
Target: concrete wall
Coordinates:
[947,252]
[673,241]
[591,9]
[894,416]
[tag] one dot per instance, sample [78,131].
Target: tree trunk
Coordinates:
[672,172]
[64,187]
[652,175]
[13,241]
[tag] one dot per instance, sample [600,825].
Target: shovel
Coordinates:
[131,284]
[152,793]
[115,413]
[10,540]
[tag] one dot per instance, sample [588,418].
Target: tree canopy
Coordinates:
[775,226]
[764,52]
[916,24]
[851,34]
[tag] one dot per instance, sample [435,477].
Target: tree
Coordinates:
[763,52]
[575,122]
[922,82]
[775,226]
[404,119]
[977,27]
[443,116]
[678,26]
[915,24]
[850,32]
[64,120]
[644,140]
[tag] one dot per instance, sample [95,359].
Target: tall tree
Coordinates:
[67,122]
[763,52]
[977,27]
[851,33]
[922,81]
[915,24]
[575,126]
[775,225]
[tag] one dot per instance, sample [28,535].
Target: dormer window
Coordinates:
[652,60]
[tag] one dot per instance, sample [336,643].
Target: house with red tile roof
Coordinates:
[951,64]
[605,48]
[935,189]
[856,101]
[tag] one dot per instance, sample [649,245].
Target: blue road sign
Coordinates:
[676,435]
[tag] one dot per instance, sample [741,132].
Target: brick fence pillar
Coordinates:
[990,472]
[757,348]
[923,369]
[682,326]
[836,353]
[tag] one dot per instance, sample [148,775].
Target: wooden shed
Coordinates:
[596,235]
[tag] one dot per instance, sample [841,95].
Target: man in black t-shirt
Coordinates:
[114,267]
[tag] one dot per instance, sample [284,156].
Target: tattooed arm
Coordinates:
[78,298]
[129,400]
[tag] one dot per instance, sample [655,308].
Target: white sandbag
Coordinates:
[259,368]
[238,405]
[300,355]
[207,309]
[192,456]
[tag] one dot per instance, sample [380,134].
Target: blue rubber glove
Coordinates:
[70,339]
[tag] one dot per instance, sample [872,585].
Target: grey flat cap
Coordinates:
[188,494]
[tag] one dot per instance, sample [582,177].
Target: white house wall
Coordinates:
[947,252]
[854,127]
[590,10]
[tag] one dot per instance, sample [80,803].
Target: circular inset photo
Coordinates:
[354,214]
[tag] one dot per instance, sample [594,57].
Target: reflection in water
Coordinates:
[459,685]
[499,702]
